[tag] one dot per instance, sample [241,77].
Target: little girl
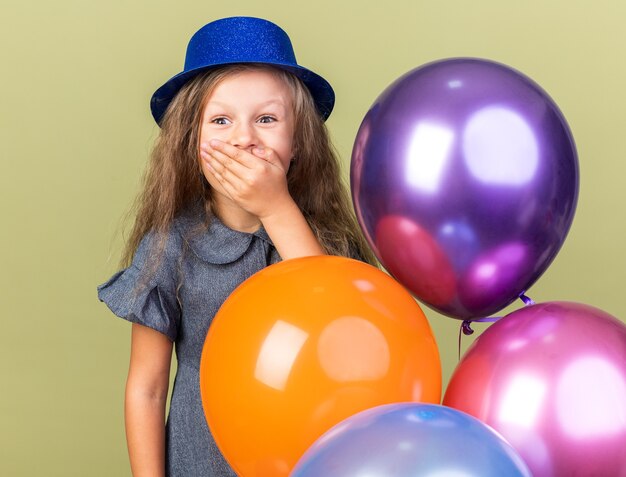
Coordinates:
[242,175]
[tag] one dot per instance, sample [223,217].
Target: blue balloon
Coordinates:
[411,439]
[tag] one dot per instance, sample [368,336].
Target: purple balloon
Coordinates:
[409,440]
[551,378]
[479,159]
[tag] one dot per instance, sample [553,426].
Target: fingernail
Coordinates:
[214,142]
[259,150]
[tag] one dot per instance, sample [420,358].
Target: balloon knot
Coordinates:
[467,328]
[527,300]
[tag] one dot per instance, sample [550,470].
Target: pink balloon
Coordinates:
[551,378]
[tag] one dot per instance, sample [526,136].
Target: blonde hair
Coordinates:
[173,179]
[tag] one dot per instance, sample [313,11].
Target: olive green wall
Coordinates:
[75,132]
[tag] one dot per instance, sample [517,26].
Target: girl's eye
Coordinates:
[267,119]
[220,121]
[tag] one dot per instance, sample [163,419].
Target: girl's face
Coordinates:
[249,109]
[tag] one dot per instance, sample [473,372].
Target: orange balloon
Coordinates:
[303,345]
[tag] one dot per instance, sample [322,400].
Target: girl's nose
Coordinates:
[243,136]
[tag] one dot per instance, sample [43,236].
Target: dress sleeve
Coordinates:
[145,295]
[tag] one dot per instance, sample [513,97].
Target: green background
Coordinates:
[76,130]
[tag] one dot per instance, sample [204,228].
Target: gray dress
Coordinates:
[203,268]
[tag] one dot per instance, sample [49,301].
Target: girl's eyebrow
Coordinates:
[274,101]
[269,102]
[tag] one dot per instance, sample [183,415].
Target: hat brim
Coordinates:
[321,91]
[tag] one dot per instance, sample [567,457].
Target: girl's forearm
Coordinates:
[290,232]
[145,399]
[145,433]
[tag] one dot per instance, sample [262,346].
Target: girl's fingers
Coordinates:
[228,154]
[234,153]
[220,162]
[268,155]
[226,180]
[234,177]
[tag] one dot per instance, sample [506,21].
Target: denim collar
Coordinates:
[217,243]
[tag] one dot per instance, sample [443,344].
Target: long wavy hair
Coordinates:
[174,181]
